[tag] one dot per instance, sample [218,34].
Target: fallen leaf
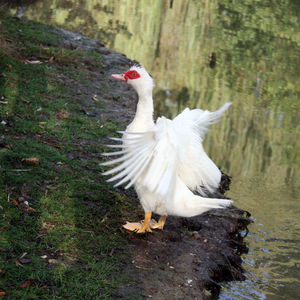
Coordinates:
[41,124]
[25,260]
[31,209]
[61,115]
[28,208]
[2,293]
[18,263]
[95,98]
[33,161]
[51,144]
[33,62]
[52,261]
[26,283]
[196,235]
[1,271]
[44,256]
[51,59]
[4,102]
[14,201]
[4,145]
[22,99]
[23,255]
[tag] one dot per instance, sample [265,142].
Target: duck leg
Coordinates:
[160,224]
[142,227]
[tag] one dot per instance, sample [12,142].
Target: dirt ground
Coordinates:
[191,256]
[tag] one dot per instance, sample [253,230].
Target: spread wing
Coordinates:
[196,169]
[149,158]
[155,158]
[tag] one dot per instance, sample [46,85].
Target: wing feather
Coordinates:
[131,169]
[124,157]
[197,170]
[135,178]
[126,162]
[116,153]
[148,158]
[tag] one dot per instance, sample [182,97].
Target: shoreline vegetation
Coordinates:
[60,222]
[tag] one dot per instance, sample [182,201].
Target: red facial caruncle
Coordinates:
[131,74]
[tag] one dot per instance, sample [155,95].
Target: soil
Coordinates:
[191,256]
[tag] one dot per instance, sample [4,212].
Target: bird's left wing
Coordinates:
[150,158]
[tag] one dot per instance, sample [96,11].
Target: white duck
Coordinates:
[165,161]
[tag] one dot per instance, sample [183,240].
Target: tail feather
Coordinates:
[199,205]
[214,203]
[192,205]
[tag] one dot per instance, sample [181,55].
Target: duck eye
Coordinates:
[133,74]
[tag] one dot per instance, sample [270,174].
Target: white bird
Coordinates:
[165,161]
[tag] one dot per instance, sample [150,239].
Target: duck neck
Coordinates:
[144,110]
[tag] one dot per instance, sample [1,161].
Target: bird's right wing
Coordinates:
[150,158]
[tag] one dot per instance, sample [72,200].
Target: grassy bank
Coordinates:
[59,221]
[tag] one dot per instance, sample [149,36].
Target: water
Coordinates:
[202,54]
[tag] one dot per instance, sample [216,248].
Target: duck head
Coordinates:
[138,78]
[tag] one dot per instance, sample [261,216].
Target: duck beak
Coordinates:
[119,76]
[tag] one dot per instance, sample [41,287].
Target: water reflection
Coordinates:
[202,54]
